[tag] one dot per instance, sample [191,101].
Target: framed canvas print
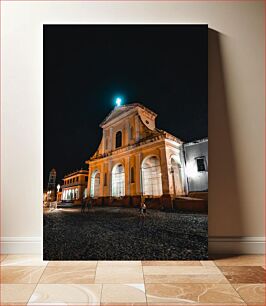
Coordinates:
[125,142]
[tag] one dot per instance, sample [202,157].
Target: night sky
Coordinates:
[163,67]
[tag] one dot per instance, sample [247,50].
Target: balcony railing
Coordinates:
[129,147]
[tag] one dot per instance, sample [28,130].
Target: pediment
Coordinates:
[123,111]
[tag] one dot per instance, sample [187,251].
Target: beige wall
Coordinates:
[236,104]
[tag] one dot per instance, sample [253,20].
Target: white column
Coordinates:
[102,180]
[128,133]
[109,178]
[89,183]
[164,171]
[105,171]
[103,141]
[137,127]
[111,139]
[138,173]
[127,175]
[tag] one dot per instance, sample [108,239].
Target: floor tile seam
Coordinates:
[93,274]
[200,264]
[119,267]
[203,303]
[239,265]
[252,303]
[190,272]
[4,283]
[218,267]
[237,292]
[69,283]
[237,283]
[101,294]
[144,284]
[72,266]
[176,266]
[179,267]
[182,283]
[120,283]
[20,266]
[36,285]
[83,284]
[248,284]
[184,275]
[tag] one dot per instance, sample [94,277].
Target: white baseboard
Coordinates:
[217,245]
[21,245]
[236,245]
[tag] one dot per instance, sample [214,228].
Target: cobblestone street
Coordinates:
[106,233]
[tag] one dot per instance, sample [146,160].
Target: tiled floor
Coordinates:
[235,280]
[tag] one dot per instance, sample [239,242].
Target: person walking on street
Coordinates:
[142,213]
[88,203]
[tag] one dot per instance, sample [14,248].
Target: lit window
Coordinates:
[151,177]
[118,139]
[201,164]
[118,181]
[95,184]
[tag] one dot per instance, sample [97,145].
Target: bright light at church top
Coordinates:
[118,101]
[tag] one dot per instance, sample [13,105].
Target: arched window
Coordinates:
[95,184]
[118,181]
[132,178]
[118,139]
[151,176]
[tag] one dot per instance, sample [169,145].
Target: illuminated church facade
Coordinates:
[136,159]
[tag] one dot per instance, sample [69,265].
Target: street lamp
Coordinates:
[118,101]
